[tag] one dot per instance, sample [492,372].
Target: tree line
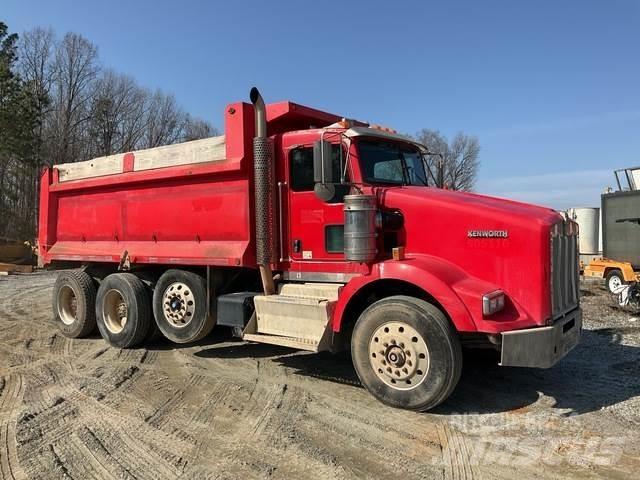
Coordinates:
[58,104]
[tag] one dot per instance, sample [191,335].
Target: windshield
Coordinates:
[391,163]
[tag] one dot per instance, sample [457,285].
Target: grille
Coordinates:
[565,268]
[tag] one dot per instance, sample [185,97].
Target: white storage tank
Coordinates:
[588,220]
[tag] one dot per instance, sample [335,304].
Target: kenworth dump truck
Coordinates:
[304,229]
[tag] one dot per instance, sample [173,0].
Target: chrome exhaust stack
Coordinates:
[264,196]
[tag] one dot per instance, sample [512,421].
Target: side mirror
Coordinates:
[322,164]
[323,171]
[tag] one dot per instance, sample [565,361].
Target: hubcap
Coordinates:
[399,355]
[178,304]
[67,305]
[115,311]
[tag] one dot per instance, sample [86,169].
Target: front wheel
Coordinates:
[406,353]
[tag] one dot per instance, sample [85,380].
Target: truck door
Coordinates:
[316,228]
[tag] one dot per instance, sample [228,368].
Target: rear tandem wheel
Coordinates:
[123,310]
[74,300]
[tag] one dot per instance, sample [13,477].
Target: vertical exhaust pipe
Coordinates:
[263,186]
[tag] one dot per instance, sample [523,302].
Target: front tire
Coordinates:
[74,303]
[180,306]
[123,310]
[406,353]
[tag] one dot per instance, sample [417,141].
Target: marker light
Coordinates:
[492,302]
[383,129]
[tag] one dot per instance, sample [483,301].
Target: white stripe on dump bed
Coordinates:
[197,151]
[91,168]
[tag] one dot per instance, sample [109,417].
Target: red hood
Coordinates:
[470,202]
[438,223]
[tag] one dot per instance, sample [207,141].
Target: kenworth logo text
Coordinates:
[488,234]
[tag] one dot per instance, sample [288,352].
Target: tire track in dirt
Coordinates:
[174,403]
[16,308]
[12,392]
[112,437]
[392,449]
[456,455]
[228,410]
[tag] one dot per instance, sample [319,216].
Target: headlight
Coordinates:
[492,302]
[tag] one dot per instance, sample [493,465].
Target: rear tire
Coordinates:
[123,310]
[74,303]
[180,306]
[614,279]
[406,353]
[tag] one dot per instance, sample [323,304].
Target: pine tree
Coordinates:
[18,119]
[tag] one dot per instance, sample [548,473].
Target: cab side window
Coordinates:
[302,167]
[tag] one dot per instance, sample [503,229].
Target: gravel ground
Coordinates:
[223,409]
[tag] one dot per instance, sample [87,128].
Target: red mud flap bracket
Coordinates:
[542,347]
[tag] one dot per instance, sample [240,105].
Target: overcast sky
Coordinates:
[551,88]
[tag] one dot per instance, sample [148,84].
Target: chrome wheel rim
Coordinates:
[115,311]
[178,304]
[67,305]
[399,355]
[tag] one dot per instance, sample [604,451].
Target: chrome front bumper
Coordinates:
[542,347]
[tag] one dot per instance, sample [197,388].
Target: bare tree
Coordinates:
[117,114]
[453,165]
[133,121]
[36,66]
[196,128]
[165,121]
[76,69]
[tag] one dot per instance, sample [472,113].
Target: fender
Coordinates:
[441,279]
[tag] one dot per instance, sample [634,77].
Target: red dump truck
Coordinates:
[305,229]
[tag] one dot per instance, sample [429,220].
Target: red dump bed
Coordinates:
[188,204]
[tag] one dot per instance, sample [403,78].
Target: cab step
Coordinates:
[297,317]
[325,291]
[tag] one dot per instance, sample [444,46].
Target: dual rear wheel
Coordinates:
[127,311]
[123,310]
[74,300]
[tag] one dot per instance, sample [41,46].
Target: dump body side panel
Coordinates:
[191,213]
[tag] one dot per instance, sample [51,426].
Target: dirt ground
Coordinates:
[223,409]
